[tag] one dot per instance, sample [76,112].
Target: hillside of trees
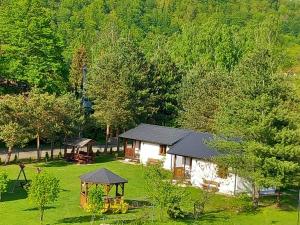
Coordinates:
[167,62]
[89,67]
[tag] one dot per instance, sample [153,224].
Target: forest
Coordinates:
[229,67]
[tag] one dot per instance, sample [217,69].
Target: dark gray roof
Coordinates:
[79,142]
[194,145]
[102,176]
[156,134]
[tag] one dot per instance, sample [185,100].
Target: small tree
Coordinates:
[163,194]
[43,190]
[3,182]
[95,197]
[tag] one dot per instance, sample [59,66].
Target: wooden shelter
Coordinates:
[103,177]
[77,154]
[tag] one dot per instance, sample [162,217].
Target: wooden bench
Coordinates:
[151,161]
[210,185]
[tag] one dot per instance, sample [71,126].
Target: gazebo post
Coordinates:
[86,190]
[122,186]
[117,185]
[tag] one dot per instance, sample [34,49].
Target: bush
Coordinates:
[47,157]
[243,203]
[95,200]
[98,152]
[174,211]
[3,182]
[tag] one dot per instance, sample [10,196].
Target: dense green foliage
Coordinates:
[47,43]
[39,116]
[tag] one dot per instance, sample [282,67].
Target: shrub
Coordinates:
[162,193]
[243,203]
[98,152]
[3,182]
[174,211]
[46,157]
[95,197]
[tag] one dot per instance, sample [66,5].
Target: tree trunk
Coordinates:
[106,138]
[42,214]
[38,147]
[254,197]
[278,198]
[52,150]
[111,147]
[9,152]
[118,141]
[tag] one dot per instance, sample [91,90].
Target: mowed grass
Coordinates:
[15,208]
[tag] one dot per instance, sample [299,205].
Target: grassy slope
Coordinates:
[15,209]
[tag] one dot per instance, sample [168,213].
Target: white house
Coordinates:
[185,152]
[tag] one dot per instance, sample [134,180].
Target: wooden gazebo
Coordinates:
[101,177]
[77,154]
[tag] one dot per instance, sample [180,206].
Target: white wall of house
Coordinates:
[208,170]
[151,151]
[200,169]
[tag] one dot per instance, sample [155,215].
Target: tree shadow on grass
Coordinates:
[17,194]
[288,201]
[211,217]
[56,163]
[76,219]
[137,203]
[36,208]
[103,158]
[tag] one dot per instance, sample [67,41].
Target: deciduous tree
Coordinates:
[44,189]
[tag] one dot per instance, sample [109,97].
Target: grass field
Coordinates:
[15,209]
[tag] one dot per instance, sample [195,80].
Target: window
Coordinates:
[222,171]
[163,150]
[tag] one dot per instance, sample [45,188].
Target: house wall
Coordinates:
[151,151]
[200,169]
[208,170]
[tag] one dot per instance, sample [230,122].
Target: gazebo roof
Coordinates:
[79,142]
[103,176]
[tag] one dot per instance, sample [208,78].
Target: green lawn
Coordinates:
[15,209]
